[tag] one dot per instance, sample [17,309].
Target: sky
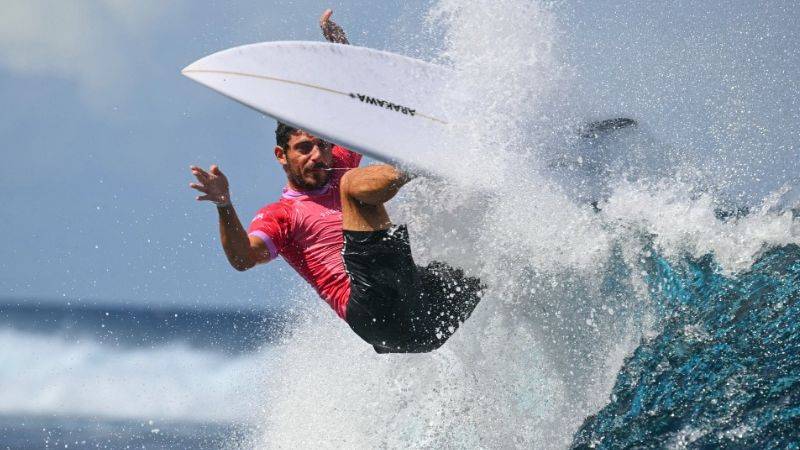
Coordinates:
[99,131]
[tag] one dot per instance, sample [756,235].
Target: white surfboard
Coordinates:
[384,105]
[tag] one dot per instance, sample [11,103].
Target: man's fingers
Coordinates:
[201,177]
[196,170]
[207,182]
[199,187]
[202,174]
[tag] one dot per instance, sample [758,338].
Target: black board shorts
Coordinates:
[397,306]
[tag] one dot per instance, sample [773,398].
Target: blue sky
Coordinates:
[100,128]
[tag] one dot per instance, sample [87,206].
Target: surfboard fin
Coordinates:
[593,130]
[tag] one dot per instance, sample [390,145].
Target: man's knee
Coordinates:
[346,182]
[382,174]
[372,185]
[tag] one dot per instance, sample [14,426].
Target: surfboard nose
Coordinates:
[210,62]
[192,69]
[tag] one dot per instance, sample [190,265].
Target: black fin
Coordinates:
[595,129]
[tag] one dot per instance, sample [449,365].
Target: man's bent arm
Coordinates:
[243,251]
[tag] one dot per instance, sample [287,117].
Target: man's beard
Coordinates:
[304,185]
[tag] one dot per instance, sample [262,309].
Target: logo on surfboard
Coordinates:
[384,104]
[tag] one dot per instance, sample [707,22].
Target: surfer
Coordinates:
[331,226]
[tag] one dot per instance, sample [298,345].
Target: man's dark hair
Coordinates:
[283,133]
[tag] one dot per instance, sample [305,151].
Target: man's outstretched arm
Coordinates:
[243,251]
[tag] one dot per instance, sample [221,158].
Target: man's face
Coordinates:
[305,160]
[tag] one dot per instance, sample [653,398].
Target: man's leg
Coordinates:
[394,305]
[364,191]
[379,264]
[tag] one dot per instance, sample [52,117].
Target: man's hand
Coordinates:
[213,184]
[242,251]
[331,30]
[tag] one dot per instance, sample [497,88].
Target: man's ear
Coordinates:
[280,155]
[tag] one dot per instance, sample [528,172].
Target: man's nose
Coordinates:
[316,153]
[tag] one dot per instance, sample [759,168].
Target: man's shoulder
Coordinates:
[343,157]
[277,209]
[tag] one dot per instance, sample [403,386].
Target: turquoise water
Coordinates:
[725,369]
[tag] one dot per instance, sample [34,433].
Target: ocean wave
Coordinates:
[48,375]
[722,370]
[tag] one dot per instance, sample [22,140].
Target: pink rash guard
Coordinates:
[305,227]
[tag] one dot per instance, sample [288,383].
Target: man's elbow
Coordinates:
[242,265]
